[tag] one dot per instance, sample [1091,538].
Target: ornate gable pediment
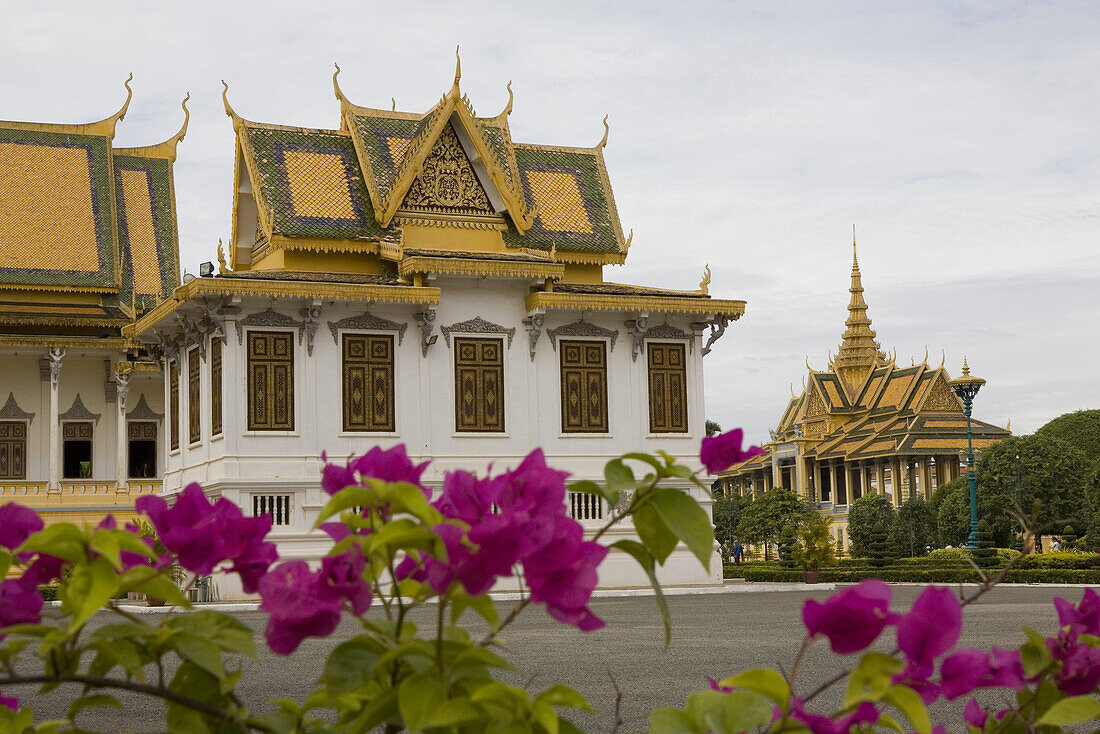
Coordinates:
[941,398]
[447,183]
[815,406]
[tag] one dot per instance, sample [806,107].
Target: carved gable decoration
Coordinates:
[79,412]
[367,322]
[477,325]
[142,412]
[582,328]
[447,184]
[270,317]
[941,398]
[12,411]
[815,405]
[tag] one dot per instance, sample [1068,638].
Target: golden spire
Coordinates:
[859,352]
[966,367]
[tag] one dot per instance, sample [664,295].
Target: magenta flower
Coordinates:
[292,595]
[392,465]
[931,627]
[719,453]
[203,535]
[44,570]
[257,555]
[1085,617]
[1080,671]
[974,714]
[12,703]
[852,618]
[20,603]
[918,678]
[342,578]
[865,713]
[17,523]
[715,686]
[465,497]
[968,669]
[567,589]
[531,489]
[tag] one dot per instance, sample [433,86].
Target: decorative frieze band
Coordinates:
[582,328]
[476,325]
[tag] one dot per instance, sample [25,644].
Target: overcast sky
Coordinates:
[961,140]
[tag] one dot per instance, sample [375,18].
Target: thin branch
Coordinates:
[129,685]
[618,704]
[507,621]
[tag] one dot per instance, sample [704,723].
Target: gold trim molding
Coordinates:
[609,302]
[473,266]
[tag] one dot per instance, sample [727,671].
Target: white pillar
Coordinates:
[56,355]
[122,486]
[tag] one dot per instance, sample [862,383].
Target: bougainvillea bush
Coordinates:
[397,545]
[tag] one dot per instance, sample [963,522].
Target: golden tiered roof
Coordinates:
[79,216]
[866,406]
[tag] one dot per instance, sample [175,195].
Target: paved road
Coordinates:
[713,635]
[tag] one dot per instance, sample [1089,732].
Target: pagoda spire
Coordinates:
[859,352]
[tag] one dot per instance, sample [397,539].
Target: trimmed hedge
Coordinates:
[1061,560]
[49,593]
[943,573]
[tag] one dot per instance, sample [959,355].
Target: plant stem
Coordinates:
[129,685]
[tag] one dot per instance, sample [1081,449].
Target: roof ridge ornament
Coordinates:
[237,119]
[508,107]
[943,357]
[704,284]
[110,122]
[458,72]
[606,131]
[336,85]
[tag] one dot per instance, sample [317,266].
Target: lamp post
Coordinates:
[966,386]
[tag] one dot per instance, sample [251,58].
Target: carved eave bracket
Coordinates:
[270,317]
[12,411]
[425,322]
[311,321]
[582,328]
[79,412]
[192,335]
[717,329]
[533,324]
[477,325]
[637,330]
[367,322]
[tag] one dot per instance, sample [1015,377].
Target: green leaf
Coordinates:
[5,563]
[202,653]
[763,680]
[1071,711]
[418,697]
[545,716]
[670,721]
[647,458]
[653,532]
[890,723]
[62,540]
[87,702]
[106,544]
[585,486]
[402,533]
[909,702]
[562,695]
[149,581]
[871,679]
[728,713]
[453,712]
[483,605]
[684,517]
[619,476]
[645,559]
[195,683]
[350,665]
[90,587]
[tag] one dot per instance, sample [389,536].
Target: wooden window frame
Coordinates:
[139,430]
[370,422]
[66,427]
[174,405]
[216,387]
[270,380]
[660,380]
[194,398]
[9,442]
[583,372]
[480,371]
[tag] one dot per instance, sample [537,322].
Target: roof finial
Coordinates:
[458,66]
[925,362]
[394,101]
[336,85]
[704,284]
[508,107]
[629,239]
[228,108]
[855,260]
[606,130]
[222,269]
[943,357]
[808,367]
[111,121]
[966,367]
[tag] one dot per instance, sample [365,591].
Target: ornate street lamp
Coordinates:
[966,386]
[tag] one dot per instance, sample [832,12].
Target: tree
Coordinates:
[1080,429]
[867,516]
[764,518]
[725,514]
[787,542]
[951,503]
[1020,470]
[913,529]
[712,428]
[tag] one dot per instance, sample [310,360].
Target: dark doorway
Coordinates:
[143,459]
[78,459]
